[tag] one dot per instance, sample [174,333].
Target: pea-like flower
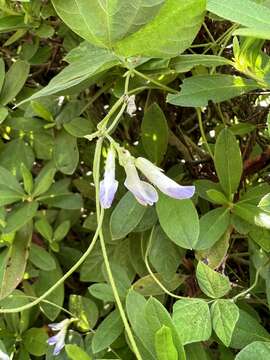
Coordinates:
[108,186]
[59,339]
[4,356]
[163,182]
[144,192]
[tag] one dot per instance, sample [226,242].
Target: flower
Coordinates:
[145,193]
[4,356]
[59,339]
[165,184]
[108,186]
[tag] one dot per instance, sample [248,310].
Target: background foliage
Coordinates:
[183,83]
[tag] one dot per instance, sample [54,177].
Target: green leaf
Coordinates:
[8,180]
[170,33]
[91,62]
[107,332]
[155,133]
[197,351]
[35,341]
[247,330]
[252,214]
[61,231]
[179,220]
[255,15]
[184,63]
[164,255]
[261,237]
[66,153]
[14,265]
[255,350]
[27,179]
[147,286]
[225,315]
[103,24]
[41,258]
[44,228]
[164,345]
[85,310]
[129,210]
[47,279]
[74,352]
[20,216]
[217,197]
[8,196]
[44,180]
[212,226]
[79,127]
[192,320]
[2,73]
[196,91]
[253,32]
[14,81]
[228,161]
[264,203]
[212,283]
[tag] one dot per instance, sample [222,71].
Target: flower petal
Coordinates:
[60,325]
[107,193]
[4,356]
[163,182]
[108,186]
[52,340]
[145,193]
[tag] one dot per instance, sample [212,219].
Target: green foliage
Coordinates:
[134,179]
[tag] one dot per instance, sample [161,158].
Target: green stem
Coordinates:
[162,86]
[96,96]
[100,213]
[199,113]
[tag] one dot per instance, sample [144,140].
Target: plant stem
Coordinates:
[100,213]
[199,113]
[162,86]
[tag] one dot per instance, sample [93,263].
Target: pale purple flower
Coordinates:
[108,186]
[163,182]
[144,192]
[4,356]
[59,339]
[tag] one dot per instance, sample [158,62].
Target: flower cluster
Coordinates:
[144,192]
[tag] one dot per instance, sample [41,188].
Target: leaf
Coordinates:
[170,33]
[264,203]
[197,90]
[44,180]
[155,133]
[253,32]
[8,180]
[27,179]
[179,220]
[14,81]
[252,214]
[225,315]
[147,286]
[164,255]
[261,237]
[184,63]
[196,351]
[212,283]
[107,332]
[35,341]
[91,62]
[126,216]
[157,316]
[103,24]
[255,350]
[15,262]
[8,196]
[228,161]
[74,352]
[2,73]
[47,279]
[247,330]
[254,16]
[20,216]
[66,153]
[164,345]
[212,226]
[192,320]
[79,127]
[41,258]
